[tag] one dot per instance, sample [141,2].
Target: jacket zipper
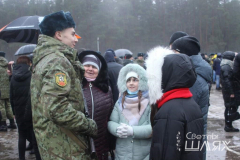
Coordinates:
[90,87]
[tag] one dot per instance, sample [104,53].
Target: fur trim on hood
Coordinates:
[154,63]
[135,68]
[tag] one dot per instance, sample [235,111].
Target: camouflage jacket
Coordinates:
[57,102]
[4,79]
[140,62]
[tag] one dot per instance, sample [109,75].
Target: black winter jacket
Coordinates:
[19,94]
[127,61]
[216,65]
[236,67]
[227,78]
[113,71]
[236,72]
[175,124]
[180,120]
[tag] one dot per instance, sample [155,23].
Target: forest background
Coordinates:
[137,25]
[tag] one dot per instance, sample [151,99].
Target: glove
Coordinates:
[124,130]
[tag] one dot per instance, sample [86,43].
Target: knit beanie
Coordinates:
[230,55]
[131,74]
[2,54]
[187,45]
[177,35]
[92,60]
[57,21]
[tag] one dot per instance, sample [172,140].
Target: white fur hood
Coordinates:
[135,68]
[154,65]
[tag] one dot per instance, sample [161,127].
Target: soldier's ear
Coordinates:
[58,35]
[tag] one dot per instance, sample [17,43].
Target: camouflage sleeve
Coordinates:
[55,99]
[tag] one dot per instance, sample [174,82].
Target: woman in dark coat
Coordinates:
[176,117]
[99,98]
[228,91]
[21,103]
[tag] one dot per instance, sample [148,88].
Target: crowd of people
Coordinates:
[73,104]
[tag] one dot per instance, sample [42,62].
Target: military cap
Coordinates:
[2,54]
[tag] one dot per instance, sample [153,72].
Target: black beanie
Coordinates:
[128,56]
[187,45]
[177,35]
[230,55]
[2,54]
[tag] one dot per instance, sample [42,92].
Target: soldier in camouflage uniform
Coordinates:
[5,106]
[60,125]
[140,60]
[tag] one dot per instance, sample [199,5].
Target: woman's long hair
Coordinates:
[139,99]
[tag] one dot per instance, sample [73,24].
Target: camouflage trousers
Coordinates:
[6,110]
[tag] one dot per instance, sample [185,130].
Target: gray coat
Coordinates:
[200,89]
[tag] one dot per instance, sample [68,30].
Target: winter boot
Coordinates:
[12,124]
[230,128]
[3,126]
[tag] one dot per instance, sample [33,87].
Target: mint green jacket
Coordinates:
[136,147]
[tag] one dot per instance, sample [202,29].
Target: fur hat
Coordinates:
[140,71]
[187,45]
[2,54]
[57,21]
[177,35]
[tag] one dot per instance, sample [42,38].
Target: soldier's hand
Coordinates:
[232,95]
[92,128]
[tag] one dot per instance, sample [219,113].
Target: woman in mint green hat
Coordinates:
[130,118]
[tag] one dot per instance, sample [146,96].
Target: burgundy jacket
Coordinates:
[103,105]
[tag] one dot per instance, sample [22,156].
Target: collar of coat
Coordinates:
[49,45]
[3,62]
[154,65]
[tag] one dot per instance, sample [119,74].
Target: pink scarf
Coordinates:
[131,111]
[90,79]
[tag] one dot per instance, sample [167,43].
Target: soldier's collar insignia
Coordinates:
[61,79]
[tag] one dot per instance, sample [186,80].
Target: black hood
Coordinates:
[109,56]
[177,72]
[102,79]
[228,55]
[21,72]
